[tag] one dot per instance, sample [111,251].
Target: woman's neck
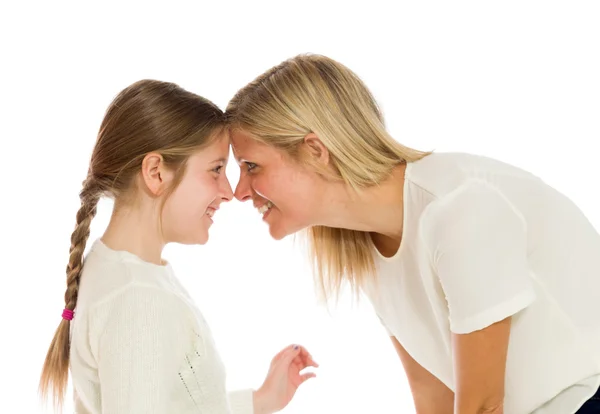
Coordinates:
[378,209]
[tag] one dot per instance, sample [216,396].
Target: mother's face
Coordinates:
[283,191]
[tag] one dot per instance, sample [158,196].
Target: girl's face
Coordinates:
[285,194]
[188,212]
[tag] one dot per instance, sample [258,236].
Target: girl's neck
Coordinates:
[136,231]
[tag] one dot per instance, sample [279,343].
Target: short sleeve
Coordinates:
[478,246]
[141,350]
[385,327]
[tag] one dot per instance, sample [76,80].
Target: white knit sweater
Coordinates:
[140,345]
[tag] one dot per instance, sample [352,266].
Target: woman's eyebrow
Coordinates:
[241,160]
[236,156]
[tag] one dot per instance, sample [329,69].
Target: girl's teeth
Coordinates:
[210,212]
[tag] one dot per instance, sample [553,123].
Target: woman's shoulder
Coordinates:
[441,173]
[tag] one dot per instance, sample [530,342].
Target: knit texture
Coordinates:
[139,344]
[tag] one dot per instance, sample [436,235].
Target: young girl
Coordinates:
[486,278]
[132,336]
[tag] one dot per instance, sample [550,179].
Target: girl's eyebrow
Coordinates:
[220,160]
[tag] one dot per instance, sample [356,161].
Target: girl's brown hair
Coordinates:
[148,116]
[314,93]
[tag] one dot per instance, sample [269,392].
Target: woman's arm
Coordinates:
[478,243]
[430,395]
[479,368]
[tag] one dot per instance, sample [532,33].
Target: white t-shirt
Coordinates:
[483,240]
[140,345]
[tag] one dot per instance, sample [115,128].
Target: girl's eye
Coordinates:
[250,165]
[218,169]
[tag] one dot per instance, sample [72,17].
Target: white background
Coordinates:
[518,81]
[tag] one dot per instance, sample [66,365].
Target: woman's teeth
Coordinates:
[210,212]
[267,206]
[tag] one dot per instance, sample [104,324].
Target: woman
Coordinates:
[486,278]
[132,336]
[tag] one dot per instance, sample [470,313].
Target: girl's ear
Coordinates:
[155,176]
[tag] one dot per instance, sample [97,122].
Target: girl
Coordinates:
[485,278]
[133,338]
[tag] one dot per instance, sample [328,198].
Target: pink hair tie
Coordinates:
[67,314]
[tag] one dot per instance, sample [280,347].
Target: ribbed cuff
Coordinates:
[241,402]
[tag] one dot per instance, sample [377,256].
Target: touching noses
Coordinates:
[242,190]
[225,190]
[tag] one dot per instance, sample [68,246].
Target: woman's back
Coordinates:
[483,241]
[563,247]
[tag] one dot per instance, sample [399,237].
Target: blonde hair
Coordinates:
[148,116]
[313,93]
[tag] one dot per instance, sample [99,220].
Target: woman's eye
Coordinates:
[218,169]
[250,165]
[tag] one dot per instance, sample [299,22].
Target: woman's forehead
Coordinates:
[245,147]
[241,138]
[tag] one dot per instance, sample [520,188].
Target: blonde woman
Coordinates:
[133,338]
[485,278]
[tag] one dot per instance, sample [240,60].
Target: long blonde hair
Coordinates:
[148,116]
[313,93]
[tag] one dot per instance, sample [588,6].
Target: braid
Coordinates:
[55,374]
[89,200]
[147,116]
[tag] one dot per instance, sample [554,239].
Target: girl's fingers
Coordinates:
[289,355]
[296,354]
[306,376]
[305,359]
[283,351]
[302,362]
[308,358]
[312,362]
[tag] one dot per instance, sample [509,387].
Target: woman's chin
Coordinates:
[276,232]
[279,231]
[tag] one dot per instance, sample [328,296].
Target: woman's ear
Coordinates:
[155,175]
[316,149]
